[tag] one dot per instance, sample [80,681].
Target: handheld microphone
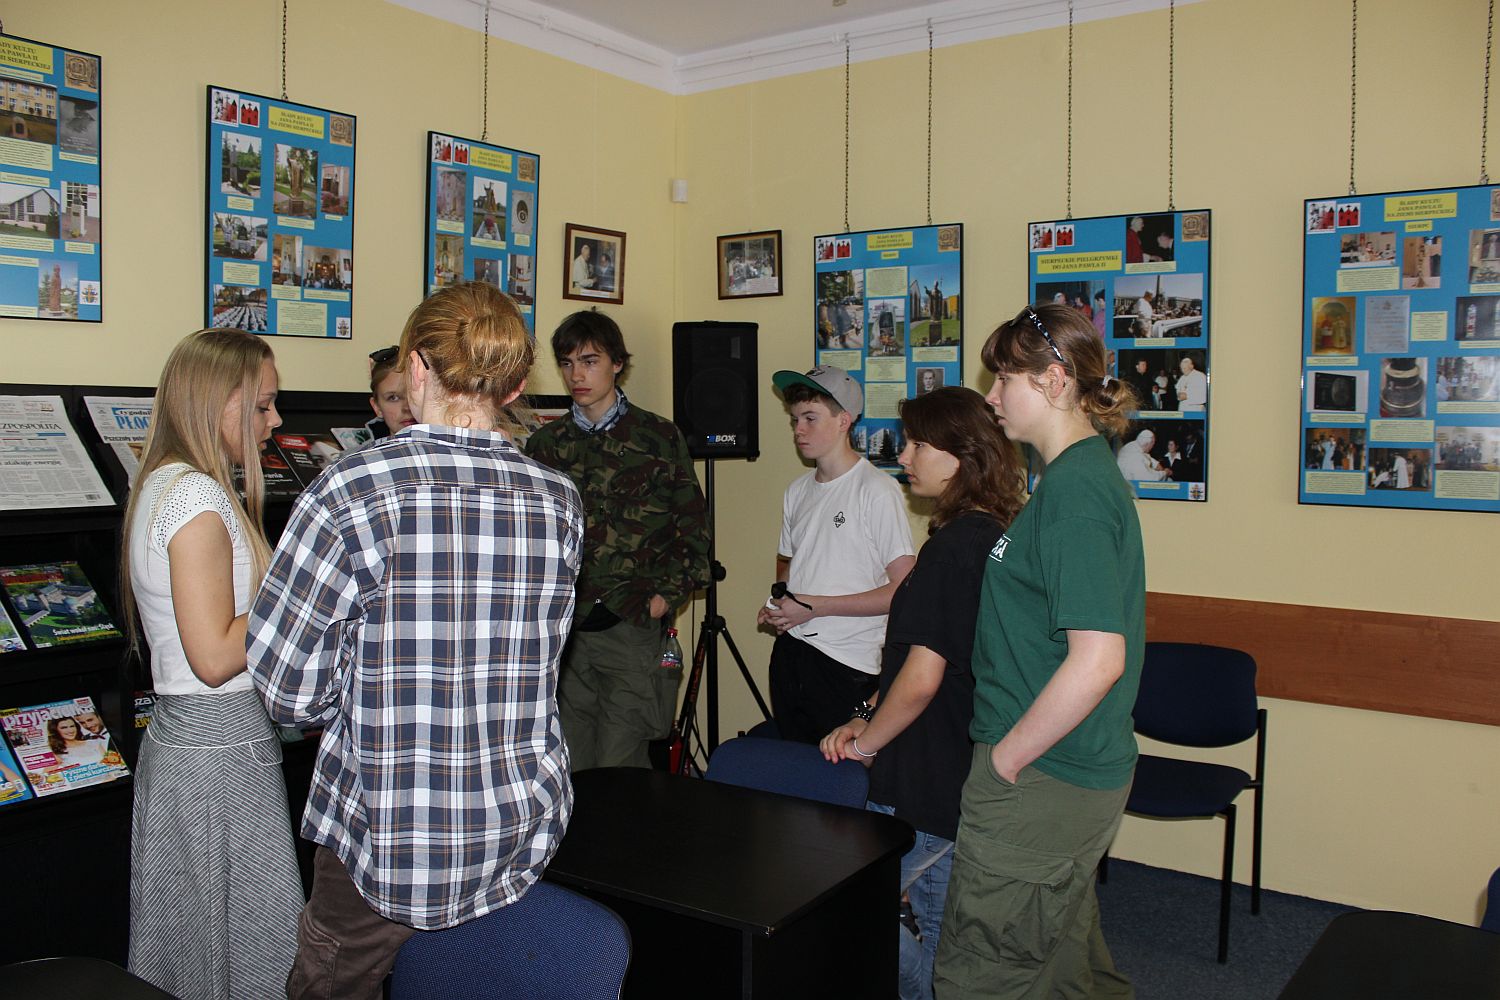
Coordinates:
[778,591]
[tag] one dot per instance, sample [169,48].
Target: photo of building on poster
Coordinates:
[1401,350]
[481,218]
[280,240]
[888,309]
[50,232]
[1142,282]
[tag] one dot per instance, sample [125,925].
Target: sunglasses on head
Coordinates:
[385,354]
[1036,321]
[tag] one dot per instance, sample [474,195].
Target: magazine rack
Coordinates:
[80,840]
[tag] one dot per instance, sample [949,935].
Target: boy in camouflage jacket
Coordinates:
[645,549]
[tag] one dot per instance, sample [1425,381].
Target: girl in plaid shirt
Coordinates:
[416,607]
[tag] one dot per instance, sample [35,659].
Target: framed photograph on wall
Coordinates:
[594,265]
[750,265]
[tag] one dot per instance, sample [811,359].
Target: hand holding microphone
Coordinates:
[778,591]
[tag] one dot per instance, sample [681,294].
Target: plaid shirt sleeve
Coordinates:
[294,643]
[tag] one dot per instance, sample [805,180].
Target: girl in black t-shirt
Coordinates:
[957,456]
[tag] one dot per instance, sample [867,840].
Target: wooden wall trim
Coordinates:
[1442,668]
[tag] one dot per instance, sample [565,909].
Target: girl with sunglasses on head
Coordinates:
[958,458]
[1057,660]
[388,394]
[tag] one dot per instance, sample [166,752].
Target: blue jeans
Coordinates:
[924,878]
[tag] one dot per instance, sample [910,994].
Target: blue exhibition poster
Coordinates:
[1143,282]
[1401,350]
[280,226]
[889,310]
[51,250]
[482,218]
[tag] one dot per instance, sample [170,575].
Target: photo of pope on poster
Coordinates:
[1401,350]
[1142,282]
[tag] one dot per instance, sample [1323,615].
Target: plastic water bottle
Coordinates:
[671,652]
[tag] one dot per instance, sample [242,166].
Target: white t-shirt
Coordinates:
[840,537]
[157,519]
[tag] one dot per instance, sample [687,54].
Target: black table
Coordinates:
[71,978]
[1375,955]
[733,892]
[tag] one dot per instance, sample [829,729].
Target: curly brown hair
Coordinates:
[990,476]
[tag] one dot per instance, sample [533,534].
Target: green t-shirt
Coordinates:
[1072,559]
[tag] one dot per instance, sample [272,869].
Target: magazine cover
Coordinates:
[308,454]
[63,745]
[281,483]
[56,604]
[13,787]
[145,708]
[351,438]
[10,639]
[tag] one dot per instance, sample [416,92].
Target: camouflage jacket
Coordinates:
[647,523]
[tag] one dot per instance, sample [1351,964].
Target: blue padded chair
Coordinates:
[765,728]
[790,768]
[1491,921]
[551,944]
[1201,696]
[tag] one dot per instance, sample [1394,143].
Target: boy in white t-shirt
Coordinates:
[845,547]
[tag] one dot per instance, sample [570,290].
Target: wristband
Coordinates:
[855,744]
[864,710]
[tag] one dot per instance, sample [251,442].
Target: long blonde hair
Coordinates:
[201,375]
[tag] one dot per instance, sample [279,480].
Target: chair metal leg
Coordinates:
[1255,852]
[1260,802]
[1226,886]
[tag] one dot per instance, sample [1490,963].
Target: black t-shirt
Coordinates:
[921,773]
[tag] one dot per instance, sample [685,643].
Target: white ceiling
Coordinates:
[690,27]
[686,46]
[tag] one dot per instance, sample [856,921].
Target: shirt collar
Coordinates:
[619,409]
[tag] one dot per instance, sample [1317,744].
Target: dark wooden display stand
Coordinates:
[75,847]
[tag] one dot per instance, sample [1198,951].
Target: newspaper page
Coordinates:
[122,422]
[43,463]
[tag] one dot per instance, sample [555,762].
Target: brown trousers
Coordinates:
[344,949]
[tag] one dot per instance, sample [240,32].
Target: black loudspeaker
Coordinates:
[714,395]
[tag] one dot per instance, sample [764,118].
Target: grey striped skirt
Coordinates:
[214,888]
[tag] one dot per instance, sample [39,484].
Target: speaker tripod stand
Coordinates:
[706,661]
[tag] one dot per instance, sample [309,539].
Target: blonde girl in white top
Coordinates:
[214,886]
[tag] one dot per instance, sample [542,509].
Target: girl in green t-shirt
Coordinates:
[1057,654]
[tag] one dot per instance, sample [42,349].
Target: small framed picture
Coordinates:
[594,269]
[750,265]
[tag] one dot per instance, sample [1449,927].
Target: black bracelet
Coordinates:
[864,710]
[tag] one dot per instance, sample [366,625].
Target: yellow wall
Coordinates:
[1374,809]
[606,148]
